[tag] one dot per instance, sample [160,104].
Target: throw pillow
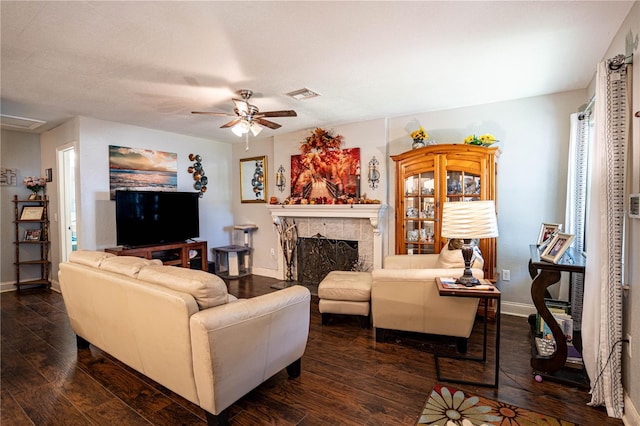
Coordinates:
[450,258]
[453,258]
[209,290]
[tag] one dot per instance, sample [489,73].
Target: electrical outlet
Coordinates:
[506,275]
[273,252]
[629,345]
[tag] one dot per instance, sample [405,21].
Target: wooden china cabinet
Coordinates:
[427,177]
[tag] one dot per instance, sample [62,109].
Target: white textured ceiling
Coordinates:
[151,63]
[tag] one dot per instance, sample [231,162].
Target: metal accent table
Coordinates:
[486,295]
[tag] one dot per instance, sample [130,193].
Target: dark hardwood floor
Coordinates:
[347,378]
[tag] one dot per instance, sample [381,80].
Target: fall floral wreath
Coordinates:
[321,140]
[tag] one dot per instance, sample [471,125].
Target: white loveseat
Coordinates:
[404,296]
[182,329]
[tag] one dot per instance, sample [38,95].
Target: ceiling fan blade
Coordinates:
[218,114]
[241,106]
[267,123]
[283,113]
[231,123]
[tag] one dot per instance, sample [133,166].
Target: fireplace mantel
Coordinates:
[373,212]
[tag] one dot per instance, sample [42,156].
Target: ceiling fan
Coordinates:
[248,117]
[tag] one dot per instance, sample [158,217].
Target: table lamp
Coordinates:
[467,220]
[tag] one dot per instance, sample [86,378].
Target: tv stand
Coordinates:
[176,254]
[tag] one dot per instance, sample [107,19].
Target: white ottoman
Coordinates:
[347,293]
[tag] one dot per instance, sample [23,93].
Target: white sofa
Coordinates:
[404,296]
[182,329]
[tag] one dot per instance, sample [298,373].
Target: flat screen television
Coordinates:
[155,217]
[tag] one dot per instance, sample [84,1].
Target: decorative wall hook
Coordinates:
[281,181]
[198,174]
[373,175]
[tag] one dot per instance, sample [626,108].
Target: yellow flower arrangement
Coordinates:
[419,134]
[483,140]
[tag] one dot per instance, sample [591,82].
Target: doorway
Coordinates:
[67,190]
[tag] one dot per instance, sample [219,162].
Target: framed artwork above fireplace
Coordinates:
[330,174]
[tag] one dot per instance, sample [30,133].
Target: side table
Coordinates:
[545,274]
[486,295]
[231,261]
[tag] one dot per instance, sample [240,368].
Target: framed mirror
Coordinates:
[253,180]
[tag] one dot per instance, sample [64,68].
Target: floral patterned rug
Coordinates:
[448,406]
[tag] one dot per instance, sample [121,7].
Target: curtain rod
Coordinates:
[615,63]
[618,61]
[587,109]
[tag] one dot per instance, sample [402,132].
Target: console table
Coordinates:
[545,274]
[176,254]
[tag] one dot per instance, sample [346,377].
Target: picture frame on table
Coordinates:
[253,180]
[32,234]
[32,213]
[556,248]
[548,231]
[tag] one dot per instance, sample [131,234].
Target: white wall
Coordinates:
[96,212]
[533,134]
[369,136]
[534,140]
[20,151]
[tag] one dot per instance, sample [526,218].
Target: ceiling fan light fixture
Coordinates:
[241,128]
[255,129]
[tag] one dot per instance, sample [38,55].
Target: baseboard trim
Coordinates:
[631,416]
[271,273]
[5,287]
[518,309]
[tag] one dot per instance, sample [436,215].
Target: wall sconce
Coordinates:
[373,176]
[280,179]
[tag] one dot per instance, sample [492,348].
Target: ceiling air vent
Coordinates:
[303,94]
[634,206]
[19,123]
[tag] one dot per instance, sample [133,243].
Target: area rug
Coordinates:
[448,406]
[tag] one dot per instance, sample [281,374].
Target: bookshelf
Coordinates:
[32,241]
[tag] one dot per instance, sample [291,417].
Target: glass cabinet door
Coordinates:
[462,186]
[420,213]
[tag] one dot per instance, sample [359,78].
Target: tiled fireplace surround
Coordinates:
[359,222]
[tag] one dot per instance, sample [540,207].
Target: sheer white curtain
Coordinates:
[602,312]
[575,215]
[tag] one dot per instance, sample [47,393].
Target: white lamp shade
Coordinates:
[469,219]
[240,128]
[255,129]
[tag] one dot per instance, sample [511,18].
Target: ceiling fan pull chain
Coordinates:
[246,141]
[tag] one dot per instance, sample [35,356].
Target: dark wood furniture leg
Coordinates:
[539,287]
[294,369]
[81,343]
[221,419]
[325,318]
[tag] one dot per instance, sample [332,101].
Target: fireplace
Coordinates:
[318,255]
[358,222]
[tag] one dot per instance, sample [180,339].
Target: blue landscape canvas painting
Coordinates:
[136,169]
